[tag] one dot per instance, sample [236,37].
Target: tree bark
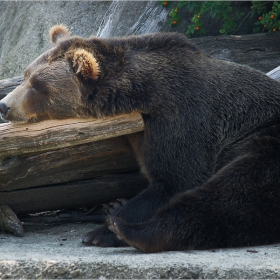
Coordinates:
[66,163]
[74,194]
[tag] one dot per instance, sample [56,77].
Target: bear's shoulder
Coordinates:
[153,41]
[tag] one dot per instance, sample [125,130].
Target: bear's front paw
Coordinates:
[103,237]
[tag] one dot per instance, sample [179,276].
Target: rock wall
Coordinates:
[24,25]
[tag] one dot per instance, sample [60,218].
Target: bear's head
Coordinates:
[53,84]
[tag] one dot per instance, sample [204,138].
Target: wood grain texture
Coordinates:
[74,194]
[74,163]
[57,134]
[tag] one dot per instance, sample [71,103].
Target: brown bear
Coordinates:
[211,145]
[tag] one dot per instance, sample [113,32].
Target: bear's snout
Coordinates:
[3,109]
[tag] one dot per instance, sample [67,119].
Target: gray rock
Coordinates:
[57,252]
[24,25]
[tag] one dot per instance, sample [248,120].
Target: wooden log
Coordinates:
[42,159]
[56,134]
[38,158]
[74,194]
[66,165]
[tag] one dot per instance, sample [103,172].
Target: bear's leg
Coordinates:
[238,206]
[138,209]
[102,236]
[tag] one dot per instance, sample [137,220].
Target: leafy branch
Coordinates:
[268,20]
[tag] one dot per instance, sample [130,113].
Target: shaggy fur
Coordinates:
[211,145]
[57,32]
[86,64]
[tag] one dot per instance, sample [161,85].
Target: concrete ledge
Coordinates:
[57,252]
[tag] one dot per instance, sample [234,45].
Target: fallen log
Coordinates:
[47,135]
[41,148]
[74,194]
[61,165]
[58,164]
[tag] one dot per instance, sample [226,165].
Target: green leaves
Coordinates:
[267,12]
[269,18]
[217,9]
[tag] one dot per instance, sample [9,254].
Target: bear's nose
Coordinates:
[3,109]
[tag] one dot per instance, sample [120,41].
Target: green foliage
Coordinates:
[222,10]
[268,18]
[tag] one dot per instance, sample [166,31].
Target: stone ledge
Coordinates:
[57,252]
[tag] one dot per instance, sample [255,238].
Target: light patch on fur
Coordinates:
[51,101]
[86,64]
[32,117]
[57,32]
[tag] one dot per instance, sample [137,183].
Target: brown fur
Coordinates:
[57,32]
[86,64]
[210,148]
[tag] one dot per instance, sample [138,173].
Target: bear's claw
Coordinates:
[113,225]
[129,233]
[103,237]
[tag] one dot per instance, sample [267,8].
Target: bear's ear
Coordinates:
[58,31]
[85,64]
